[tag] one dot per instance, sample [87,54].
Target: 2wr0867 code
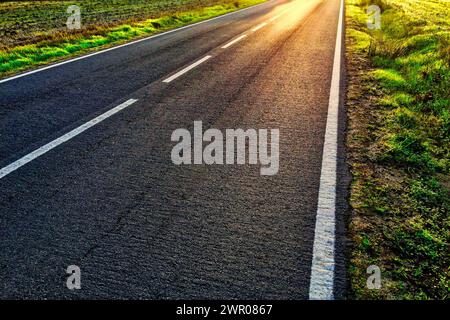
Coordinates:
[245,309]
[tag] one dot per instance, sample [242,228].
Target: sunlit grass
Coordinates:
[410,65]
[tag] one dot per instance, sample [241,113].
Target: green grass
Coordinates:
[399,145]
[54,44]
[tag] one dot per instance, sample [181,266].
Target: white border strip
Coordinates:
[53,144]
[188,68]
[127,44]
[322,269]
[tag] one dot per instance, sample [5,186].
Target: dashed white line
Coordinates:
[66,137]
[259,26]
[275,18]
[323,262]
[229,44]
[190,67]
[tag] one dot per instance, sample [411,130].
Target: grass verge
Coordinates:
[398,102]
[57,45]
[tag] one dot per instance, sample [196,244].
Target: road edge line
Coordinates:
[323,261]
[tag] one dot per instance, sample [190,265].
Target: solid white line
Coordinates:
[229,44]
[190,67]
[53,144]
[127,44]
[323,262]
[259,26]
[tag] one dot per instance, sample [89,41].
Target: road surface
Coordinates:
[110,200]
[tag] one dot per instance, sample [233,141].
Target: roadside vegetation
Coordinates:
[34,32]
[398,102]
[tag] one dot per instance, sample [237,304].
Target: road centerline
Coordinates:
[64,138]
[259,26]
[229,44]
[276,17]
[187,69]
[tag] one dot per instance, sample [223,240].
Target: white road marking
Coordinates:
[66,137]
[190,67]
[276,17]
[127,44]
[259,26]
[323,262]
[229,44]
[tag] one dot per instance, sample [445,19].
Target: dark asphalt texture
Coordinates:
[112,202]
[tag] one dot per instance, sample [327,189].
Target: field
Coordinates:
[398,102]
[35,33]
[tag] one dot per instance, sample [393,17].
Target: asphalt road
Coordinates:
[111,201]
